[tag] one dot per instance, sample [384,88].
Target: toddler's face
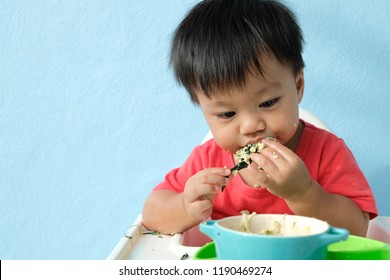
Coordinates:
[265,106]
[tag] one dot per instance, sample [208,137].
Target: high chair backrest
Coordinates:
[303,114]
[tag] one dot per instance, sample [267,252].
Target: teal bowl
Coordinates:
[299,238]
[353,248]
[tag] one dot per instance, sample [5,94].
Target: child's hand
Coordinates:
[282,172]
[201,189]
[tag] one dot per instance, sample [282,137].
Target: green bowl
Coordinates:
[359,248]
[353,248]
[207,252]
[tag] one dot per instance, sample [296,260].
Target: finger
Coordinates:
[217,171]
[264,163]
[216,177]
[273,155]
[213,176]
[211,185]
[254,168]
[209,190]
[200,206]
[198,192]
[268,181]
[279,149]
[209,196]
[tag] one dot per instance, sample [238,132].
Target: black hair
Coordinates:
[220,41]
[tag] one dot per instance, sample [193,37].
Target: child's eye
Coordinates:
[226,115]
[269,103]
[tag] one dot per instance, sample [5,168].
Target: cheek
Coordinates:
[292,119]
[226,141]
[290,129]
[286,127]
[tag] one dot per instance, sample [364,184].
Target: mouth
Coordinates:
[257,141]
[244,157]
[251,142]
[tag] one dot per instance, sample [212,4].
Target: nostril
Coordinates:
[252,127]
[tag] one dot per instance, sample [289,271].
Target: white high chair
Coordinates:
[139,243]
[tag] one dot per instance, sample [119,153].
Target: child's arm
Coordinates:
[164,212]
[167,211]
[285,175]
[336,209]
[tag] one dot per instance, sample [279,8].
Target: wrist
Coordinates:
[189,218]
[303,195]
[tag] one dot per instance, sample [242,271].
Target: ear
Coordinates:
[300,84]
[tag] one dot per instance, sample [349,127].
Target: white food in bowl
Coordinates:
[280,225]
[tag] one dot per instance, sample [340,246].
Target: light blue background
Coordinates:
[91,117]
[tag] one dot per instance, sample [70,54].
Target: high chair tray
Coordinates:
[140,244]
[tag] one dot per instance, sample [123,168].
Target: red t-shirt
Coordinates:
[328,159]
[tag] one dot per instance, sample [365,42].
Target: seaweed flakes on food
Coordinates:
[244,156]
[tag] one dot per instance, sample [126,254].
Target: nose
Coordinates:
[251,125]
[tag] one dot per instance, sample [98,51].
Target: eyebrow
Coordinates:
[258,92]
[217,103]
